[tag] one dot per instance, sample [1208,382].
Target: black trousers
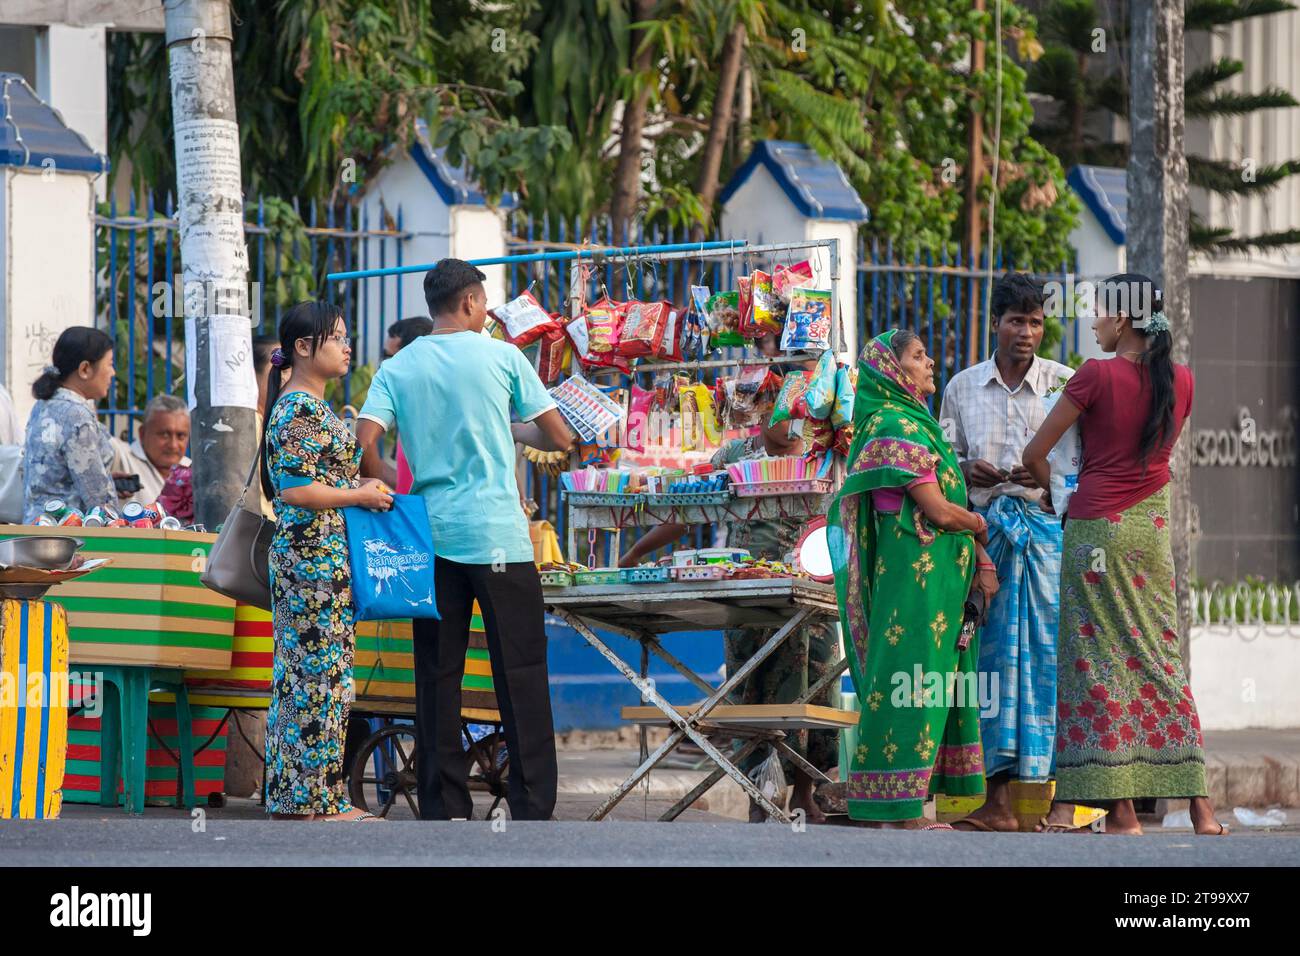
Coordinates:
[513,616]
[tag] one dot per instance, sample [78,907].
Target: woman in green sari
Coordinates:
[905,551]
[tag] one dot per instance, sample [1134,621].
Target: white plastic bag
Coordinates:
[770,780]
[1064,459]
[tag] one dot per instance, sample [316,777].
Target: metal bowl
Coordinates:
[43,551]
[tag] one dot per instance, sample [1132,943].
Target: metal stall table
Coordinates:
[642,612]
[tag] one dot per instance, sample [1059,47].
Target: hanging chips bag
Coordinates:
[819,436]
[790,401]
[844,439]
[745,303]
[524,319]
[808,320]
[743,391]
[785,278]
[644,325]
[698,419]
[724,320]
[821,388]
[767,312]
[556,352]
[577,332]
[603,325]
[842,413]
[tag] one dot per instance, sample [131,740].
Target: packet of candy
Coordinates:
[790,400]
[785,278]
[644,324]
[695,332]
[745,303]
[767,313]
[808,320]
[524,319]
[724,320]
[742,394]
[603,326]
[821,388]
[842,413]
[556,351]
[638,418]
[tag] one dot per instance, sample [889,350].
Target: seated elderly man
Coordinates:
[163,437]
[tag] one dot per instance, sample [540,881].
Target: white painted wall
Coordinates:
[72,77]
[1098,257]
[1246,676]
[760,212]
[47,279]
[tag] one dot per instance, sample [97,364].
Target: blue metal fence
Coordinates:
[139,300]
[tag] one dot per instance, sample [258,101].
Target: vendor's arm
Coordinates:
[547,432]
[377,415]
[651,541]
[942,513]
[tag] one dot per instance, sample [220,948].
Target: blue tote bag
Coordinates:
[391,553]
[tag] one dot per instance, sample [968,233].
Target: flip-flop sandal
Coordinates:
[1223,831]
[1091,827]
[936,826]
[977,826]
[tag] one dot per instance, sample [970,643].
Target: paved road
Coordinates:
[145,842]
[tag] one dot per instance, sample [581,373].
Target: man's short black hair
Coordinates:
[1015,292]
[446,282]
[409,329]
[263,346]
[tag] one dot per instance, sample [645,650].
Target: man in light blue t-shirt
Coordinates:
[451,394]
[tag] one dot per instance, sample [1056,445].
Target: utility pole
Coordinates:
[214,257]
[974,173]
[1158,214]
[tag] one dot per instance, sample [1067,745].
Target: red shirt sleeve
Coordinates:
[1190,387]
[1084,385]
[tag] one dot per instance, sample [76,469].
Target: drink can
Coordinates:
[169,523]
[117,523]
[141,523]
[154,512]
[133,511]
[56,508]
[72,519]
[100,517]
[46,521]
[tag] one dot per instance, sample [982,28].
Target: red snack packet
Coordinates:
[746,303]
[766,312]
[555,352]
[642,331]
[784,278]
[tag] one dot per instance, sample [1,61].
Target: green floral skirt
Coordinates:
[1127,724]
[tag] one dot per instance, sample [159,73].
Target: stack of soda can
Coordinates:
[58,513]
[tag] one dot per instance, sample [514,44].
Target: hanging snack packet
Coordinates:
[818,436]
[785,278]
[644,324]
[842,413]
[638,418]
[577,331]
[745,303]
[767,314]
[524,319]
[556,352]
[671,348]
[844,439]
[744,390]
[603,320]
[790,400]
[808,320]
[698,419]
[821,387]
[724,320]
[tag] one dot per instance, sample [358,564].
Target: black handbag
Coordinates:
[239,563]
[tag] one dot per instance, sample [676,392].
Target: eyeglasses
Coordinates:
[341,340]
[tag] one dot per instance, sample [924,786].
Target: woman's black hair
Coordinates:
[314,320]
[1137,297]
[901,340]
[75,345]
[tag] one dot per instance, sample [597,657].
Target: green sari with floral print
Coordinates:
[902,586]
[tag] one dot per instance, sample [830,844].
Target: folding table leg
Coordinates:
[686,727]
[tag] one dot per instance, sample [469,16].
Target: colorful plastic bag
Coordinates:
[767,315]
[790,401]
[391,554]
[724,320]
[643,328]
[842,413]
[821,387]
[524,319]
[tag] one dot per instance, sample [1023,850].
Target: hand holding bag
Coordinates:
[391,554]
[239,563]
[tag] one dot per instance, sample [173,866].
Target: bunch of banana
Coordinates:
[548,462]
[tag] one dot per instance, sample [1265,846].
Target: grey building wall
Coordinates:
[1246,356]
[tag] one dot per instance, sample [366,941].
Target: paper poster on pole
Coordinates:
[230,362]
[191,350]
[207,167]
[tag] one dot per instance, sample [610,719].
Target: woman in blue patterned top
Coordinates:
[309,469]
[68,452]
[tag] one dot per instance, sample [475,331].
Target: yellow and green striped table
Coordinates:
[148,607]
[33,708]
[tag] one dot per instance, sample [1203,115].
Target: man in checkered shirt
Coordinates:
[989,413]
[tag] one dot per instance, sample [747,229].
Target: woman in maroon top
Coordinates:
[1127,726]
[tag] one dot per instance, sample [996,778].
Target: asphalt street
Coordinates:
[153,842]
